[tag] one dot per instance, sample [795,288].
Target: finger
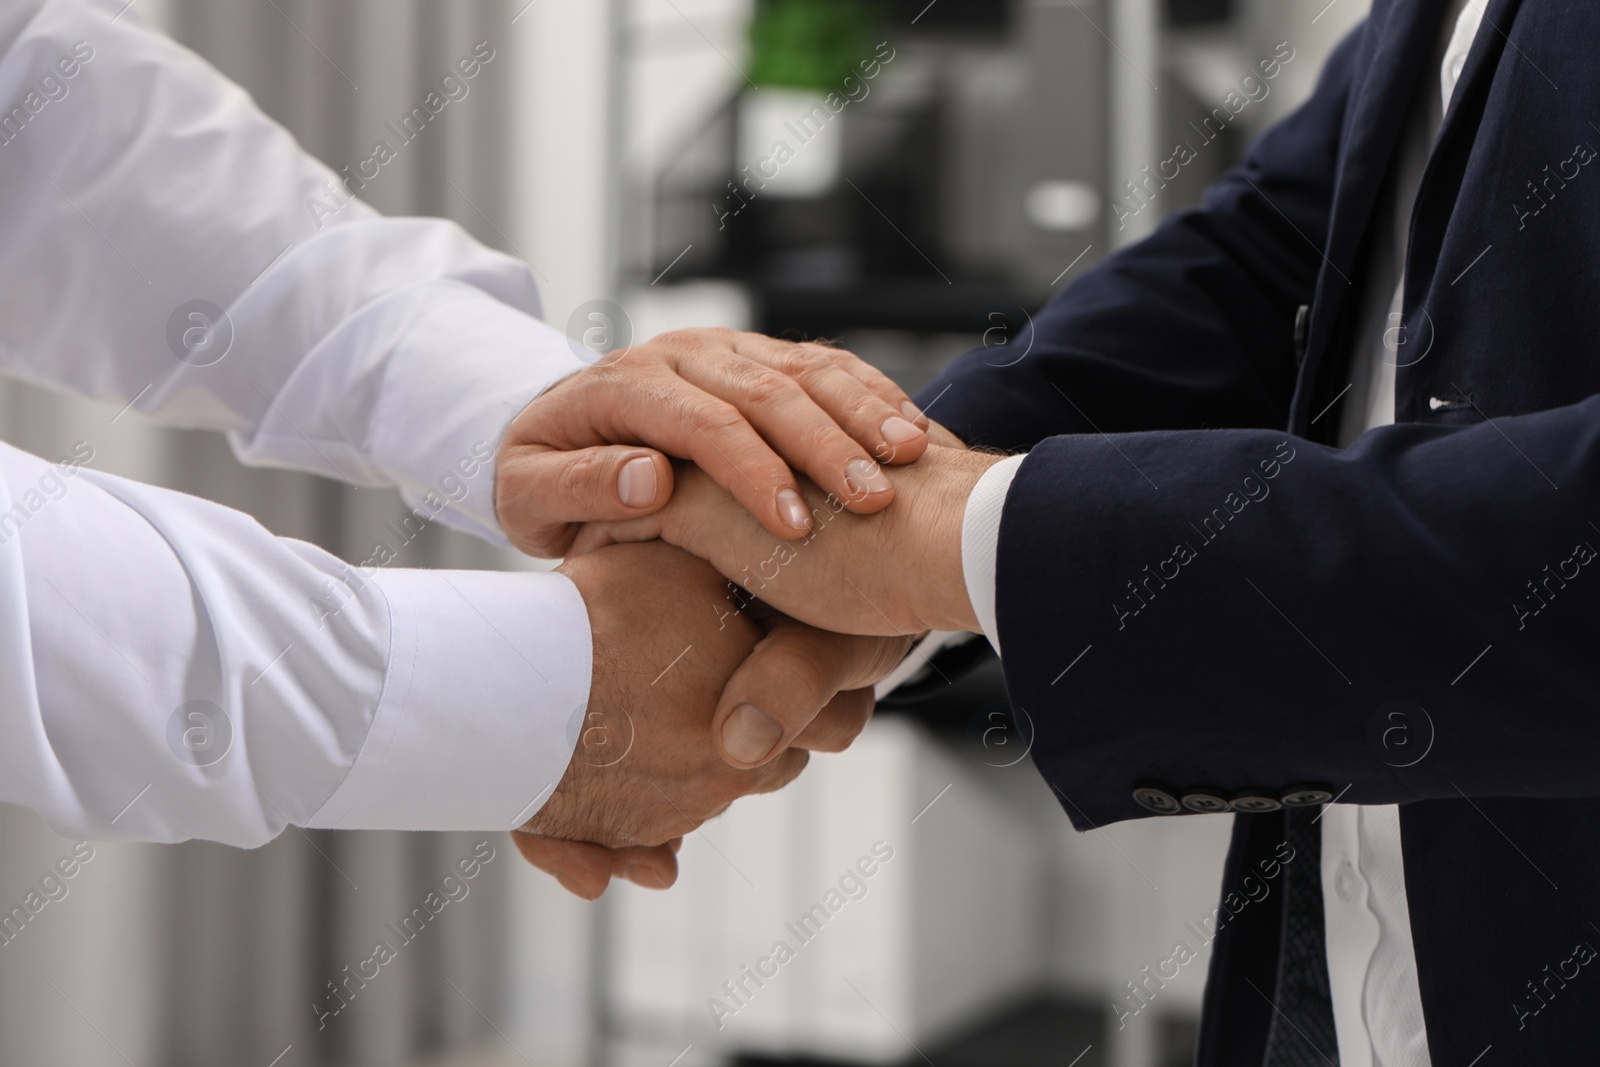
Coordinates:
[793,358]
[800,430]
[776,774]
[717,787]
[582,869]
[839,722]
[586,870]
[684,420]
[792,674]
[861,409]
[652,868]
[596,535]
[811,408]
[881,384]
[547,487]
[860,399]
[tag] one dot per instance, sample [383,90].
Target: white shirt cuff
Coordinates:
[488,678]
[980,541]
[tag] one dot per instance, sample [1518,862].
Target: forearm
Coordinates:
[1241,609]
[171,670]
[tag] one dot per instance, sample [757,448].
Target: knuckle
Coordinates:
[881,655]
[581,477]
[823,437]
[664,347]
[802,357]
[799,672]
[762,386]
[866,408]
[820,355]
[711,415]
[791,359]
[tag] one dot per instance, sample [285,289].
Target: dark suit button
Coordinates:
[1204,800]
[1252,801]
[1306,796]
[1156,798]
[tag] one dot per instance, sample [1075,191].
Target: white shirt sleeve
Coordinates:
[980,541]
[165,245]
[169,669]
[168,246]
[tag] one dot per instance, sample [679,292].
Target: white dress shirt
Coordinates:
[1372,968]
[168,668]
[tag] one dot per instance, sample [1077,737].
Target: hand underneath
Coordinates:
[648,766]
[898,573]
[737,404]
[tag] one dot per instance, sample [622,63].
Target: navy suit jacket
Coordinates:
[1414,619]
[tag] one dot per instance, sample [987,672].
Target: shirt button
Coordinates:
[1347,883]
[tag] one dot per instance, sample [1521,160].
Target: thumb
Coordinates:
[541,489]
[799,680]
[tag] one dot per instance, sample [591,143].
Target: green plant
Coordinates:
[811,44]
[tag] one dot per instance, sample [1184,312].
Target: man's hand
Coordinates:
[737,404]
[645,770]
[897,573]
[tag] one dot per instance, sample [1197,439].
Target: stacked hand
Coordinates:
[646,770]
[669,742]
[742,407]
[898,573]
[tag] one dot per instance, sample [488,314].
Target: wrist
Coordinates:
[936,581]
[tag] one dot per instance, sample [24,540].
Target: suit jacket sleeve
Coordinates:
[1193,327]
[1405,619]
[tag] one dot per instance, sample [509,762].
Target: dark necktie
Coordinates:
[1302,1033]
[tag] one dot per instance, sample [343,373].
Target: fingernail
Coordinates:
[794,510]
[863,477]
[636,485]
[750,733]
[911,411]
[898,431]
[648,877]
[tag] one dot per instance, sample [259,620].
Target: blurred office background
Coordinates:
[989,153]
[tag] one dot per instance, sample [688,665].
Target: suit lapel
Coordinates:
[1441,181]
[1403,34]
[1480,66]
